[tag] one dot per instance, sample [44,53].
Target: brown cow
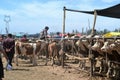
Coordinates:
[53,51]
[26,49]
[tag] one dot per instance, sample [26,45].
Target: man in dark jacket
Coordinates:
[1,64]
[8,45]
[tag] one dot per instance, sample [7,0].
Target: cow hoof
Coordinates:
[100,71]
[108,75]
[51,64]
[34,64]
[113,75]
[45,64]
[16,64]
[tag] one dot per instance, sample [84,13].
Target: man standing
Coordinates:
[44,33]
[1,64]
[24,38]
[8,45]
[57,37]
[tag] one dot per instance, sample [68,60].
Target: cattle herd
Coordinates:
[104,50]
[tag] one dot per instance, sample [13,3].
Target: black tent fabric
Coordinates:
[113,11]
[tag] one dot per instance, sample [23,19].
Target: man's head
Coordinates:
[10,35]
[58,33]
[46,27]
[24,36]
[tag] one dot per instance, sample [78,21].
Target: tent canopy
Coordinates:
[113,11]
[111,34]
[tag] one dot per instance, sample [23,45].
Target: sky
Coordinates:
[31,16]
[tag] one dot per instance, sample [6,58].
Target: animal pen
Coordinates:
[112,12]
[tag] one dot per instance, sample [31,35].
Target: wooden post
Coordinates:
[64,17]
[91,59]
[95,17]
[91,43]
[63,32]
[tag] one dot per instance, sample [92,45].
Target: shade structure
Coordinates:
[113,11]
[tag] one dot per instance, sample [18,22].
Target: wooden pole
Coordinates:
[91,43]
[95,17]
[63,32]
[64,17]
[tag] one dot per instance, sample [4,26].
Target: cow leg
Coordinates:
[94,65]
[55,54]
[82,64]
[39,54]
[109,69]
[53,62]
[46,62]
[46,59]
[16,59]
[114,70]
[101,66]
[30,58]
[84,61]
[34,59]
[58,58]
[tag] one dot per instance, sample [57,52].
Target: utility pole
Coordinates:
[7,20]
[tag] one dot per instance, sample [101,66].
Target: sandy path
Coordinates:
[25,71]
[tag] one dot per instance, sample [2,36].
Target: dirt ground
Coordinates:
[26,71]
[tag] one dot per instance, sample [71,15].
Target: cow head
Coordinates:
[106,46]
[115,46]
[97,46]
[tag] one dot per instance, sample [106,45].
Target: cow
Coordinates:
[83,47]
[42,48]
[89,47]
[83,51]
[53,52]
[112,57]
[26,49]
[97,47]
[70,44]
[115,46]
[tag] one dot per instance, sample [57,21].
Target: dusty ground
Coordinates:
[25,71]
